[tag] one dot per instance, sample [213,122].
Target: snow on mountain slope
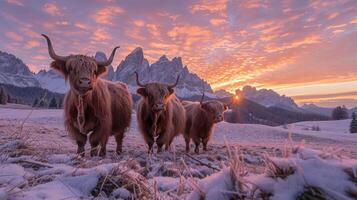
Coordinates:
[52,81]
[269,98]
[163,70]
[312,108]
[14,72]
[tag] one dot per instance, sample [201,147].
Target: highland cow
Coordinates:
[92,106]
[160,114]
[201,118]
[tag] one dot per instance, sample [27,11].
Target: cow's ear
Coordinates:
[101,70]
[60,66]
[141,91]
[204,106]
[171,90]
[225,107]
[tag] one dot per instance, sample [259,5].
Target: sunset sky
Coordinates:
[306,49]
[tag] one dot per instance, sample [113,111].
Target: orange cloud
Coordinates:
[81,25]
[101,35]
[254,4]
[312,39]
[153,29]
[106,15]
[31,44]
[139,23]
[217,21]
[52,9]
[14,36]
[353,21]
[209,6]
[332,15]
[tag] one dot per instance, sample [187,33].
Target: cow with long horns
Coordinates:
[201,118]
[92,105]
[160,114]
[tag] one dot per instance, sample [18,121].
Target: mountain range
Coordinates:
[163,70]
[14,72]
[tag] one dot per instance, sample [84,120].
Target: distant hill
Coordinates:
[248,111]
[268,98]
[28,95]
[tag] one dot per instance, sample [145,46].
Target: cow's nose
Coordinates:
[84,82]
[219,118]
[158,107]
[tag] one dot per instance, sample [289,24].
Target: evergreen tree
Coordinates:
[53,103]
[353,126]
[42,104]
[3,96]
[339,113]
[35,103]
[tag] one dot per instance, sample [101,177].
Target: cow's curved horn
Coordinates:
[175,84]
[52,53]
[137,80]
[109,61]
[203,96]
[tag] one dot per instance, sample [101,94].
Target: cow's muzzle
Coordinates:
[158,107]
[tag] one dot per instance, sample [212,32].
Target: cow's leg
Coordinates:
[119,139]
[187,141]
[81,142]
[197,140]
[160,142]
[81,139]
[204,142]
[150,143]
[98,141]
[94,144]
[103,145]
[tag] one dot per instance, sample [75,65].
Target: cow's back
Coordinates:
[121,105]
[178,116]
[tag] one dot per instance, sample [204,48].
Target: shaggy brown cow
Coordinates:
[160,114]
[92,105]
[200,120]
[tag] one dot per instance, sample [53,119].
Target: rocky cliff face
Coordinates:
[13,71]
[269,98]
[163,70]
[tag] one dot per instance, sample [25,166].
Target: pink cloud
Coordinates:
[15,2]
[31,44]
[209,6]
[153,29]
[14,36]
[106,15]
[52,9]
[217,21]
[101,35]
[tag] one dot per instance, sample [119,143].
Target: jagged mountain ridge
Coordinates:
[163,70]
[269,98]
[14,71]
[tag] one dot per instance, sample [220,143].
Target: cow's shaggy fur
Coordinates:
[92,105]
[164,125]
[200,121]
[107,111]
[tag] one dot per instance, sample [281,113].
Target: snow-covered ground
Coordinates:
[38,160]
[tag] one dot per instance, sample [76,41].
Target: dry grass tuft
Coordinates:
[128,179]
[352,174]
[312,192]
[275,170]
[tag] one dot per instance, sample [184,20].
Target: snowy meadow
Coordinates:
[38,161]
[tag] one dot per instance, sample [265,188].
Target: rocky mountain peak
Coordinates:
[100,56]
